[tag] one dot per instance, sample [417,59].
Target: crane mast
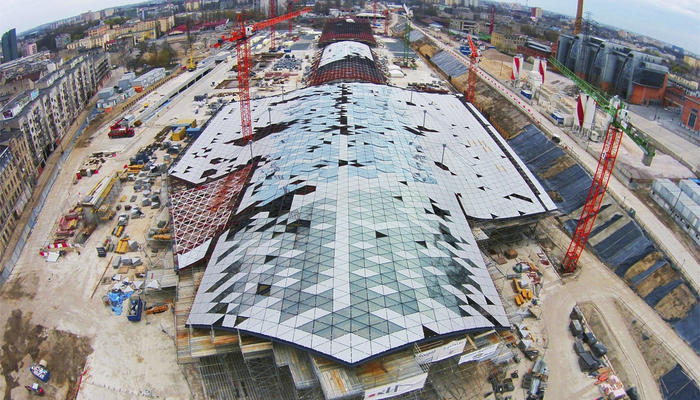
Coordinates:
[241,36]
[472,77]
[579,17]
[273,5]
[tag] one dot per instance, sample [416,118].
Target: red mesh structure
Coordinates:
[199,212]
[353,69]
[339,29]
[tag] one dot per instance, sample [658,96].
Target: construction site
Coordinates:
[358,212]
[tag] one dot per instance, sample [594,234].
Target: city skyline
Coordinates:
[674,22]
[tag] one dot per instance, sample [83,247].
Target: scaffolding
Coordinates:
[259,360]
[262,370]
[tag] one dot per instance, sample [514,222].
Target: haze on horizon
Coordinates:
[674,22]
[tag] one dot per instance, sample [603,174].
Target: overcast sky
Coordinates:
[673,21]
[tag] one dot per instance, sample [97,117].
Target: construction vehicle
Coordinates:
[35,389]
[135,309]
[121,128]
[40,371]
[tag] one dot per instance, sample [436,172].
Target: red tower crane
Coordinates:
[289,9]
[606,163]
[241,36]
[493,19]
[273,6]
[374,13]
[386,22]
[472,77]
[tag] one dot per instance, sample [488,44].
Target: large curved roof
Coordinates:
[351,237]
[346,61]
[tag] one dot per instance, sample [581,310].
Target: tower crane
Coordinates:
[241,36]
[273,6]
[374,14]
[472,77]
[386,22]
[191,66]
[619,126]
[290,3]
[579,17]
[493,19]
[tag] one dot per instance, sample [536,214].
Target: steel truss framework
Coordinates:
[338,30]
[199,212]
[355,69]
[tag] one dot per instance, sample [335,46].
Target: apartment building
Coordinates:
[44,114]
[32,126]
[138,31]
[15,186]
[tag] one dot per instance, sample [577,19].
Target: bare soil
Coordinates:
[658,278]
[659,360]
[21,287]
[560,164]
[676,304]
[227,84]
[643,264]
[64,352]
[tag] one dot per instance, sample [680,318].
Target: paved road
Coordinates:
[598,284]
[662,235]
[683,150]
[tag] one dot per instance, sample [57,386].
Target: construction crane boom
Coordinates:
[603,101]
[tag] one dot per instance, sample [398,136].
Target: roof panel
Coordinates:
[358,200]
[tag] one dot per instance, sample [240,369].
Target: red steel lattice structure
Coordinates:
[594,200]
[386,22]
[338,30]
[290,3]
[200,212]
[472,77]
[243,55]
[273,6]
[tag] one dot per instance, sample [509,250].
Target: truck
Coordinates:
[121,128]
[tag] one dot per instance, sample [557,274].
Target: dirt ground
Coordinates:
[26,343]
[48,309]
[659,360]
